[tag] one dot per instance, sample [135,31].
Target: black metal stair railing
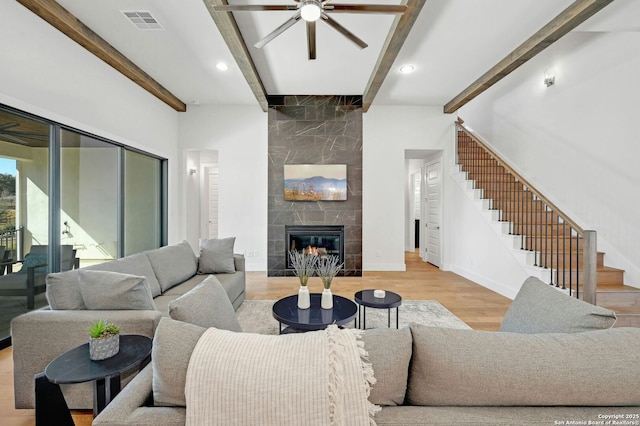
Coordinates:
[558,244]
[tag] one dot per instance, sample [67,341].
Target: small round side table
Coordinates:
[366,299]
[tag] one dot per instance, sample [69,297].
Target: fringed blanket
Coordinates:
[317,378]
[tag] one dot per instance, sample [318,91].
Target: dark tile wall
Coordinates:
[315,130]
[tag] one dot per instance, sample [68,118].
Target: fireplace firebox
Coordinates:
[319,240]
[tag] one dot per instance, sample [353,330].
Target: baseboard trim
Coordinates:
[485,282]
[384,267]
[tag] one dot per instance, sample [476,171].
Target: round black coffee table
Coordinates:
[75,366]
[366,299]
[314,318]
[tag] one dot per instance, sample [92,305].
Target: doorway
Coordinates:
[424,204]
[201,186]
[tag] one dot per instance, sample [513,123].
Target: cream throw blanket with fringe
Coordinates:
[316,378]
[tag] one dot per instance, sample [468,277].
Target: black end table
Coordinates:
[366,299]
[75,366]
[314,318]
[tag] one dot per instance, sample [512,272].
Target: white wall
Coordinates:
[387,133]
[239,135]
[45,73]
[576,141]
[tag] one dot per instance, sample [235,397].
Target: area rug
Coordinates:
[255,316]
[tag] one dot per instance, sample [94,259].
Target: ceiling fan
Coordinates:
[311,11]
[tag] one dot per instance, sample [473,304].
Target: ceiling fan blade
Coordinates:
[366,8]
[275,33]
[345,32]
[252,7]
[311,39]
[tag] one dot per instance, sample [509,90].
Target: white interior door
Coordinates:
[210,202]
[431,212]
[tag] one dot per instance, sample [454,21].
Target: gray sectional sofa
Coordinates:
[559,362]
[40,336]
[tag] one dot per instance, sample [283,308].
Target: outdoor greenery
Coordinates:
[7,202]
[7,185]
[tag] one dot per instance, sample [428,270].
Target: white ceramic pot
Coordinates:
[304,300]
[104,347]
[327,299]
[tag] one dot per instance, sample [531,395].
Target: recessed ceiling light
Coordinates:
[407,69]
[222,66]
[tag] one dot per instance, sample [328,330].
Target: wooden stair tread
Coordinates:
[625,310]
[617,288]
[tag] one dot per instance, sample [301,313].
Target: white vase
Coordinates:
[304,300]
[327,299]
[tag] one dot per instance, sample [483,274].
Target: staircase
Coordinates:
[552,246]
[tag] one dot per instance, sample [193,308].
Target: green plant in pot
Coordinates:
[304,266]
[104,340]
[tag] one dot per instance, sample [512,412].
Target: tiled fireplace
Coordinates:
[315,130]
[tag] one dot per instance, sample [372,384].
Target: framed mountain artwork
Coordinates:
[315,182]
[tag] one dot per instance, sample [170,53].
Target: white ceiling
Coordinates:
[452,43]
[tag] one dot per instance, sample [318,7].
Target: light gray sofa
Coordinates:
[573,368]
[40,336]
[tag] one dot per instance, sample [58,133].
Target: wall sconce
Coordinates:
[549,78]
[192,172]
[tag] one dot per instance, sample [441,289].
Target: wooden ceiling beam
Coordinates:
[395,40]
[228,27]
[571,17]
[65,22]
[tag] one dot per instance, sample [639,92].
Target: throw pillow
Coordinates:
[63,291]
[206,305]
[539,308]
[135,264]
[173,264]
[484,368]
[173,344]
[216,256]
[389,354]
[34,259]
[113,290]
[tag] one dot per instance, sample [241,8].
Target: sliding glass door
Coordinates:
[68,199]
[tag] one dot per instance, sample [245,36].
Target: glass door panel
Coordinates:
[88,199]
[24,207]
[142,202]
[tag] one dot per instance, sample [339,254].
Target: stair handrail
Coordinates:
[589,236]
[531,188]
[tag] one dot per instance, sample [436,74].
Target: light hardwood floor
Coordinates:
[480,308]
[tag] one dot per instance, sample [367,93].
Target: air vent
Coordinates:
[142,19]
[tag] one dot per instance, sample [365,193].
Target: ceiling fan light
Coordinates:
[310,10]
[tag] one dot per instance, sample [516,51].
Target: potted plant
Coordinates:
[328,267]
[304,266]
[104,340]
